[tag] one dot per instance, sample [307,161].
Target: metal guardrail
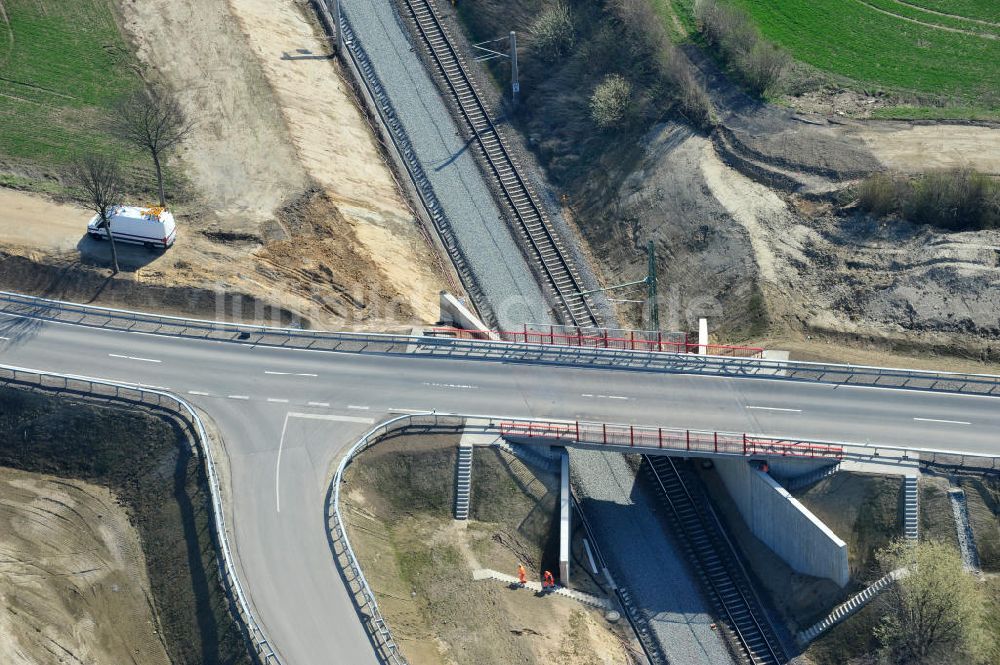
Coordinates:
[157,399]
[686,441]
[32,307]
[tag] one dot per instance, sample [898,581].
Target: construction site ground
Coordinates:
[73,584]
[291,204]
[106,551]
[420,560]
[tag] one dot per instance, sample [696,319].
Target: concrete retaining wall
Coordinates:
[784,524]
[454,312]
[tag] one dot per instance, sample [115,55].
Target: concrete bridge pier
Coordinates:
[565,517]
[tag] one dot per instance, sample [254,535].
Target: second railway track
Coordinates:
[543,245]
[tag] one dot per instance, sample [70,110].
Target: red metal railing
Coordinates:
[630,340]
[694,441]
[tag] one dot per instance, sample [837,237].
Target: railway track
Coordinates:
[541,242]
[717,565]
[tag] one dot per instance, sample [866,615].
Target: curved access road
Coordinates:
[285,416]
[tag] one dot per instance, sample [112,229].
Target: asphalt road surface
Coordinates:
[286,416]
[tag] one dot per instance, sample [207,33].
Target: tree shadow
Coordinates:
[130,257]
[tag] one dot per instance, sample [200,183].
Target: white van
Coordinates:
[152,227]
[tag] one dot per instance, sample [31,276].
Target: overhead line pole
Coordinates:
[515,84]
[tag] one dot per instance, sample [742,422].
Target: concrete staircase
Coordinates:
[845,610]
[463,482]
[911,509]
[532,456]
[807,479]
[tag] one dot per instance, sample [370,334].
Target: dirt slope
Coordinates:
[73,585]
[293,203]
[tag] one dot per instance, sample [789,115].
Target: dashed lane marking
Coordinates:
[144,360]
[277,400]
[198,392]
[358,408]
[450,385]
[324,404]
[332,416]
[290,373]
[947,422]
[238,396]
[774,408]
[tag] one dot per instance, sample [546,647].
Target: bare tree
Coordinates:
[153,122]
[100,177]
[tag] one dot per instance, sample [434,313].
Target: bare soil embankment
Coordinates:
[292,203]
[420,561]
[73,579]
[742,221]
[77,584]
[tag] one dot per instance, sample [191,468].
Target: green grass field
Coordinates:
[983,10]
[879,45]
[62,63]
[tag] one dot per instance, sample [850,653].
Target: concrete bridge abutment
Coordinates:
[792,532]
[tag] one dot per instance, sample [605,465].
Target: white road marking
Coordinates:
[604,396]
[277,466]
[774,408]
[331,416]
[395,410]
[358,408]
[319,404]
[198,392]
[145,360]
[450,385]
[238,396]
[149,385]
[585,395]
[290,373]
[614,397]
[281,442]
[7,338]
[948,422]
[277,400]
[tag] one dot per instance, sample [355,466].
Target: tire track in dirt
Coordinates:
[935,26]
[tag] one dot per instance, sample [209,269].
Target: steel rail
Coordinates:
[183,410]
[33,307]
[381,107]
[546,251]
[756,637]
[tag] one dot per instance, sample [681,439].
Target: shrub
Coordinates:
[611,102]
[879,194]
[652,55]
[955,200]
[553,32]
[760,64]
[959,199]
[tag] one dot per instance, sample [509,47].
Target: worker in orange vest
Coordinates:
[548,581]
[522,574]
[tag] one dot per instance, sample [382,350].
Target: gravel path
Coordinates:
[642,558]
[479,227]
